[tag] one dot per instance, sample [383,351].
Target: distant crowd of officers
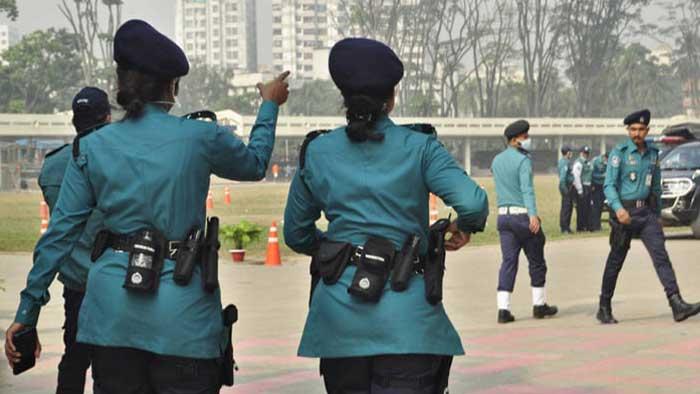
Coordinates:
[581,184]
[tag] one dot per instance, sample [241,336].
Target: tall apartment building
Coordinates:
[8,37]
[218,32]
[300,27]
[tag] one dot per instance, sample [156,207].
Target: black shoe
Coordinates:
[681,309]
[504,316]
[542,311]
[566,231]
[605,315]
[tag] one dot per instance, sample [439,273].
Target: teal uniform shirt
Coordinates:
[599,169]
[632,175]
[380,189]
[73,272]
[566,179]
[512,172]
[150,172]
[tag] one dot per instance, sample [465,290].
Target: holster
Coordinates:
[619,237]
[187,255]
[434,270]
[228,364]
[100,245]
[210,256]
[373,268]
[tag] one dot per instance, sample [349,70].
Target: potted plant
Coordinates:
[242,234]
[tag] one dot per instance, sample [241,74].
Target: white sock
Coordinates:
[503,300]
[538,296]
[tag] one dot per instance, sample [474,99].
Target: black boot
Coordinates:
[605,315]
[504,316]
[681,309]
[542,311]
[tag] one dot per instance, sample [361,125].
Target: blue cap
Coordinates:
[516,128]
[90,107]
[138,46]
[643,117]
[364,66]
[565,149]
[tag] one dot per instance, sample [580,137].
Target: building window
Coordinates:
[308,56]
[308,68]
[277,32]
[231,31]
[277,56]
[277,43]
[190,34]
[231,19]
[231,43]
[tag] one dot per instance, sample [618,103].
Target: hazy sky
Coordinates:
[43,14]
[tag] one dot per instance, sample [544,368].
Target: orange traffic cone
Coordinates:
[433,209]
[210,200]
[44,214]
[227,196]
[273,247]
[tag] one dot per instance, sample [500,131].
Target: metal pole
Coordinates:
[468,155]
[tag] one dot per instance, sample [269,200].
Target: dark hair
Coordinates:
[82,123]
[362,114]
[135,89]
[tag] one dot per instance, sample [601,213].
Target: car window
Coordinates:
[682,158]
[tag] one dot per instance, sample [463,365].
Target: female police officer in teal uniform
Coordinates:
[372,179]
[149,171]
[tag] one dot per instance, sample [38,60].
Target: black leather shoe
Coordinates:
[504,316]
[542,311]
[681,309]
[605,315]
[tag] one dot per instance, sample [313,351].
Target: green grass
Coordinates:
[261,204]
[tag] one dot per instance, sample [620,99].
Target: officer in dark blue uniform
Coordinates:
[633,190]
[518,223]
[91,111]
[566,189]
[371,179]
[149,175]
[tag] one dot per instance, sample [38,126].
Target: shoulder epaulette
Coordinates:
[53,152]
[302,151]
[425,128]
[205,114]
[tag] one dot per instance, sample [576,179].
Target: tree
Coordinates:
[539,33]
[315,98]
[9,7]
[205,87]
[592,33]
[84,18]
[41,72]
[493,46]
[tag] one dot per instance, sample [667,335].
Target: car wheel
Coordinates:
[695,226]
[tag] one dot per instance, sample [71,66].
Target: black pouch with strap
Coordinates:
[331,259]
[373,268]
[228,363]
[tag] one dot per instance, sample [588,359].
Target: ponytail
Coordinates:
[136,89]
[362,115]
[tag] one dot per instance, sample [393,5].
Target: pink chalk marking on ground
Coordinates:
[495,366]
[265,342]
[531,389]
[270,360]
[496,354]
[684,348]
[603,371]
[268,385]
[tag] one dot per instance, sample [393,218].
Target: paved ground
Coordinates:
[646,353]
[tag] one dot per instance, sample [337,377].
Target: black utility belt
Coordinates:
[378,261]
[125,243]
[631,204]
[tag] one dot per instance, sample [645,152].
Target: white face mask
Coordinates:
[526,144]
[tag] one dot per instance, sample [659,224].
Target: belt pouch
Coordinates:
[331,259]
[373,269]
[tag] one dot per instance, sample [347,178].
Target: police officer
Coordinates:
[583,178]
[566,189]
[519,227]
[372,180]
[149,175]
[599,165]
[91,111]
[633,190]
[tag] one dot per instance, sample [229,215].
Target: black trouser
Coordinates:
[598,197]
[515,235]
[583,209]
[387,374]
[131,371]
[76,356]
[645,224]
[567,207]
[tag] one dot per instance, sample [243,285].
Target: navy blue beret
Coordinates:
[138,46]
[364,66]
[643,117]
[90,107]
[565,149]
[516,128]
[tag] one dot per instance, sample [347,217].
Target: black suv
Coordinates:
[680,182]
